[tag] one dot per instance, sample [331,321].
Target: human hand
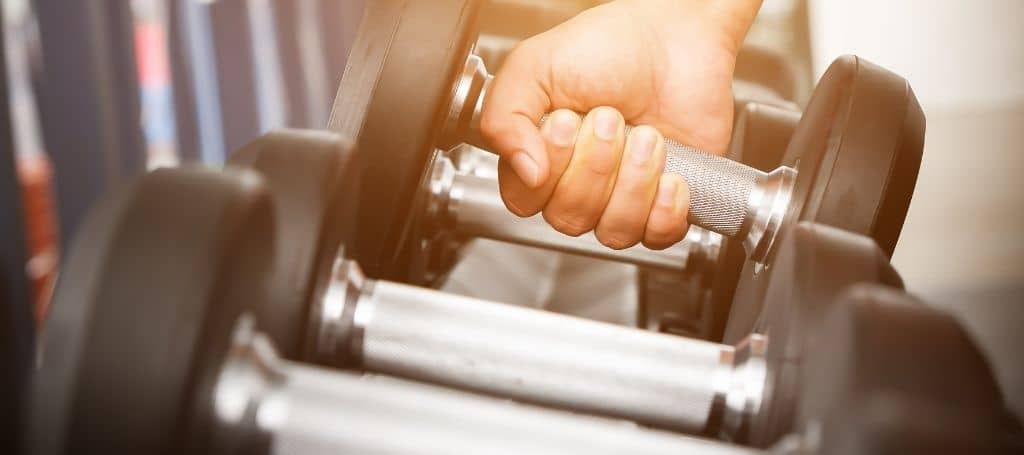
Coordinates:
[663,65]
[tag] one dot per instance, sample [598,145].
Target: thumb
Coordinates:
[516,101]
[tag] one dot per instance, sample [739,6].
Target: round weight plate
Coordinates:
[760,138]
[880,339]
[128,317]
[393,99]
[857,149]
[886,423]
[313,180]
[814,264]
[761,135]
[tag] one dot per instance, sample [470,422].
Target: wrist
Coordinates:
[731,19]
[735,17]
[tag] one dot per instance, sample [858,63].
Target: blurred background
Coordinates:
[99,90]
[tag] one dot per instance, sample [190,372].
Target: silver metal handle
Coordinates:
[536,356]
[295,408]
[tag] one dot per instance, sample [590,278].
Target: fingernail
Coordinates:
[562,130]
[526,168]
[606,124]
[641,145]
[667,191]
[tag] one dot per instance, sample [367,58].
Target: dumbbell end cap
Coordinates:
[767,211]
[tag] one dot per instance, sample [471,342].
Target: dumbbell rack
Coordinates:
[220,311]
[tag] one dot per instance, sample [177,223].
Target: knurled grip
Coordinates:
[719,187]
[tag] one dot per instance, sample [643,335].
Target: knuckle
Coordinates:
[615,240]
[600,160]
[665,233]
[571,225]
[490,126]
[520,208]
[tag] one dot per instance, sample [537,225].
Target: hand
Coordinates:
[664,65]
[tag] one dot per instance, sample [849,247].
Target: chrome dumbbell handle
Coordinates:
[285,407]
[471,206]
[536,356]
[726,197]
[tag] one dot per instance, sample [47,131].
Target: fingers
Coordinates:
[585,187]
[559,133]
[667,224]
[625,218]
[515,102]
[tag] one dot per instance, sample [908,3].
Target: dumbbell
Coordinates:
[331,335]
[760,136]
[411,72]
[387,327]
[350,318]
[154,346]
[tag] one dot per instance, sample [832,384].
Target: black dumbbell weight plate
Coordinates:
[857,149]
[393,99]
[313,180]
[814,265]
[760,138]
[130,310]
[887,423]
[879,338]
[880,342]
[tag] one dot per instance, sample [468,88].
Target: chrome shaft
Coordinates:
[281,407]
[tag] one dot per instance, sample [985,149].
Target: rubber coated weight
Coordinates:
[313,180]
[881,339]
[885,423]
[760,137]
[858,149]
[130,311]
[814,265]
[393,99]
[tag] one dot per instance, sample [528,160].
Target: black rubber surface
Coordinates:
[882,339]
[858,149]
[760,137]
[934,384]
[393,98]
[885,423]
[313,180]
[129,317]
[814,265]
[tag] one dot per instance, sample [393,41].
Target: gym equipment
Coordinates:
[729,198]
[128,318]
[534,356]
[434,94]
[863,131]
[313,179]
[470,206]
[761,135]
[190,248]
[151,348]
[876,338]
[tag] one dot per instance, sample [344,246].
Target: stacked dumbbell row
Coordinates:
[226,311]
[174,306]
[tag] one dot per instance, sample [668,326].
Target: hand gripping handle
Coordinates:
[719,188]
